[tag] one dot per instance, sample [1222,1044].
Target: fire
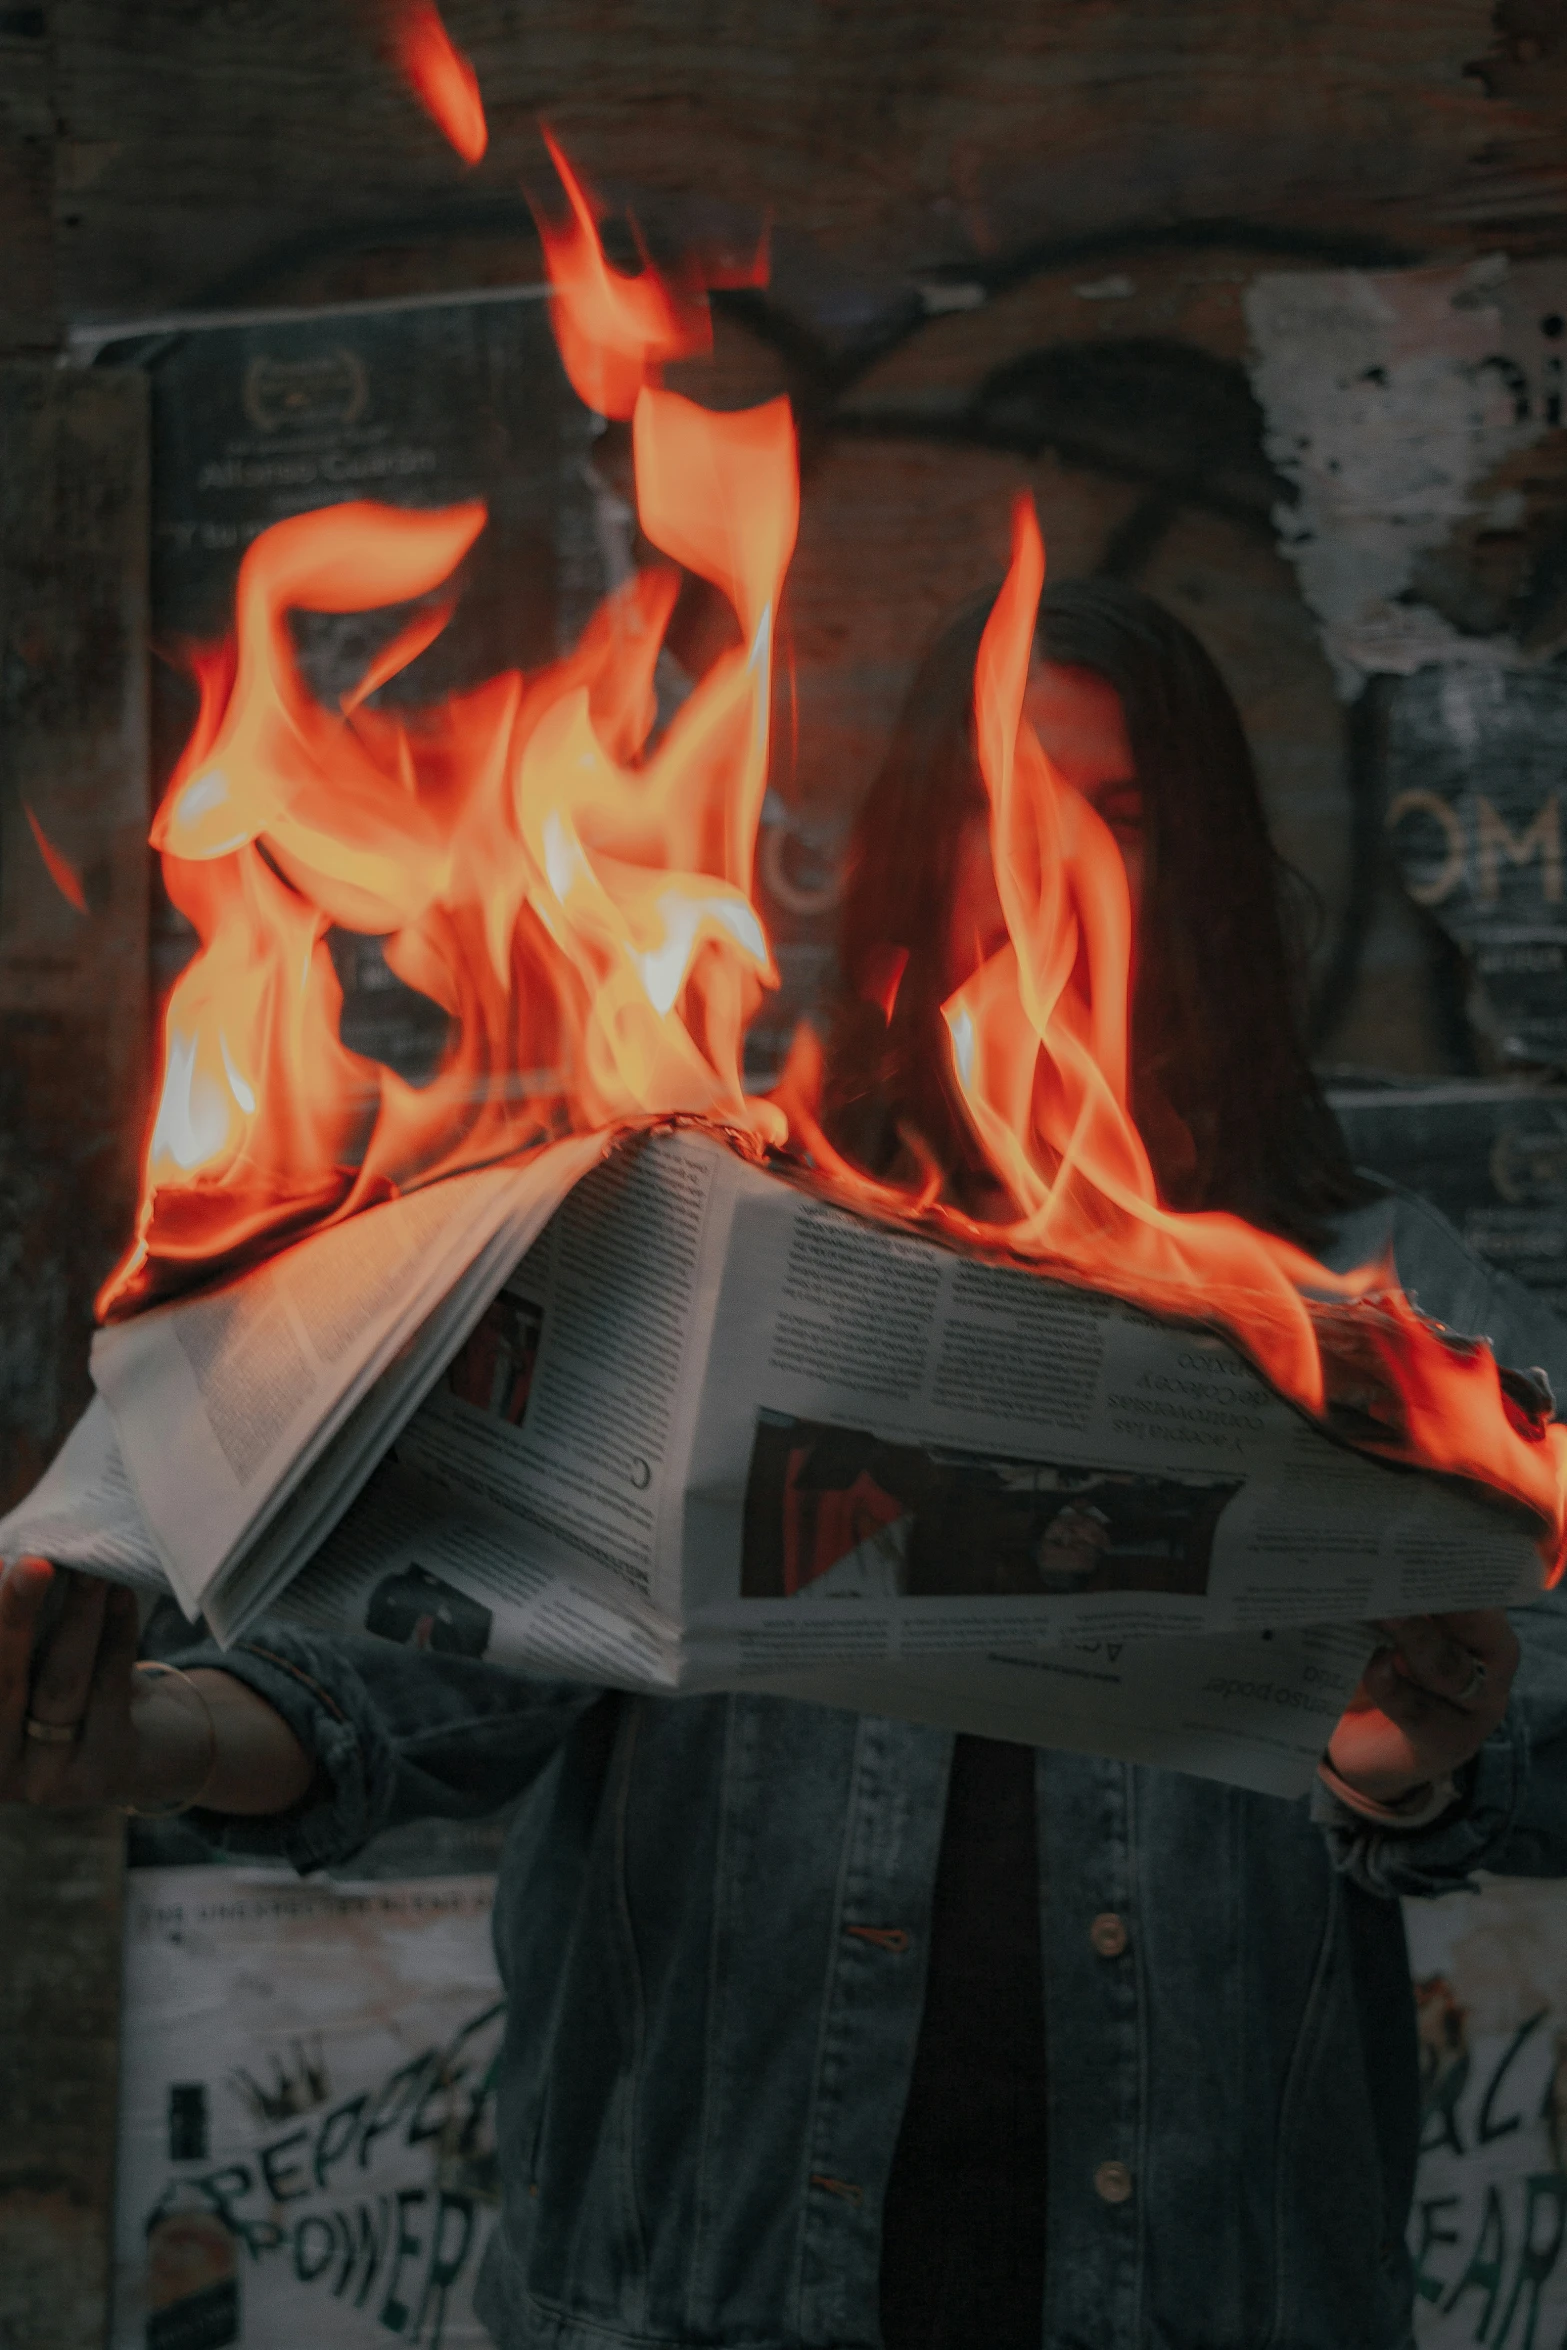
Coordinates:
[1039,1044]
[442,79]
[614,332]
[575,893]
[57,865]
[576,901]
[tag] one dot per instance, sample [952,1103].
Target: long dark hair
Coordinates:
[1222,1091]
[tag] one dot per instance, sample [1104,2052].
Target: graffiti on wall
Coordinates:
[1488,2231]
[307,2146]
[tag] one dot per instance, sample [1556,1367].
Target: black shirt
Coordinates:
[963,2238]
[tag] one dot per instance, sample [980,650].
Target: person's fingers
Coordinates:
[78,1678]
[1399,1695]
[1488,1637]
[1405,1701]
[63,1674]
[1427,1702]
[1467,1660]
[24,1586]
[24,1582]
[57,1701]
[1485,1631]
[1433,1660]
[1425,1729]
[106,1734]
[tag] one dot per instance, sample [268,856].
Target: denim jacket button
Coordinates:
[1112,2182]
[1108,1934]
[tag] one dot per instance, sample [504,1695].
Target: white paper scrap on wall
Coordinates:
[1389,399]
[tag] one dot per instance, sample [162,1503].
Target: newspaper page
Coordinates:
[421,1566]
[538,1486]
[777,1436]
[83,1511]
[1253,1709]
[223,1402]
[792,1436]
[571,1412]
[419,1563]
[902,1452]
[715,1434]
[307,2138]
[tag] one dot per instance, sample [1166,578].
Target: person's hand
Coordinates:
[1426,1703]
[139,1739]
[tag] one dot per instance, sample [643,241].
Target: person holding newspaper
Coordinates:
[832,2029]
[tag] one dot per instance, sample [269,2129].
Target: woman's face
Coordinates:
[1079,720]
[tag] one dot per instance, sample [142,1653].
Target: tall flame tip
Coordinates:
[442,79]
[57,865]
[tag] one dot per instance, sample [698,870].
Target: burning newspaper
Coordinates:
[1090,1471]
[676,1424]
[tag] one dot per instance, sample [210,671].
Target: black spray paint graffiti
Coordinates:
[308,2197]
[1489,2257]
[1509,2263]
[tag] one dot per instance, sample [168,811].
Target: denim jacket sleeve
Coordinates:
[395,1733]
[1512,1814]
[1511,1817]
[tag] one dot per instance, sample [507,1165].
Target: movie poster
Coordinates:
[1490,2214]
[412,403]
[307,2148]
[408,403]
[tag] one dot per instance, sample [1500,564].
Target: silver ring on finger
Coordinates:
[1473,1686]
[52,1733]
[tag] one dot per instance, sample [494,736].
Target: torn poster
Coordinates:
[307,2148]
[1406,408]
[1488,2228]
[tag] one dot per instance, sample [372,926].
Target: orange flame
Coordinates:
[576,902]
[576,896]
[61,871]
[884,978]
[614,332]
[617,333]
[442,79]
[1039,1043]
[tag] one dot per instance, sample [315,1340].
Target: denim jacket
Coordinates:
[712,1924]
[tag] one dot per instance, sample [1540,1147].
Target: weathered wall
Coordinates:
[73,1005]
[61,1885]
[894,138]
[73,978]
[29,311]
